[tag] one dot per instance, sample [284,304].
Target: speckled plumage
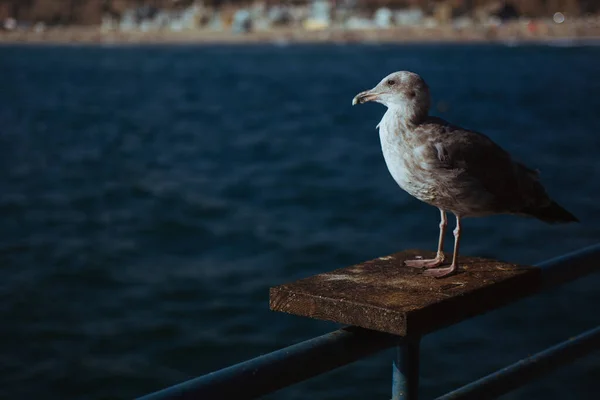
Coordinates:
[457,170]
[454,169]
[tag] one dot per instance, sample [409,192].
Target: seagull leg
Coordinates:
[441,272]
[439,258]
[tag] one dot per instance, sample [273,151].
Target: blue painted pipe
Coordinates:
[528,369]
[568,267]
[273,371]
[405,371]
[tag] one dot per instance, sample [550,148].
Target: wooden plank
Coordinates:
[384,295]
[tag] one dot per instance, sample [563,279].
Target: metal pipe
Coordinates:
[528,369]
[281,368]
[568,267]
[405,375]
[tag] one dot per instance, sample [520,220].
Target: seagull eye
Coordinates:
[391,82]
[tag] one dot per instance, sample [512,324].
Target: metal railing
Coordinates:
[284,367]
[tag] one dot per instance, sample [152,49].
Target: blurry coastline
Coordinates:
[346,21]
[510,33]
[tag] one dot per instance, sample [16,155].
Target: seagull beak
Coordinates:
[365,96]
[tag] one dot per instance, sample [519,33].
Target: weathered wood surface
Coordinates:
[384,295]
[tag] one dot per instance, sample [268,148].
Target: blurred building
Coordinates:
[149,14]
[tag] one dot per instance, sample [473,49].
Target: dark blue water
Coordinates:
[149,197]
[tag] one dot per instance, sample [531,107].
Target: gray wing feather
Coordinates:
[509,186]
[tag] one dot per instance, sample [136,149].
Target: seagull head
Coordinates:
[403,89]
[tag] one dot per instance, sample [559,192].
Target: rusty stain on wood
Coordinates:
[384,295]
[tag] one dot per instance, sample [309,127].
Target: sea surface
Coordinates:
[150,196]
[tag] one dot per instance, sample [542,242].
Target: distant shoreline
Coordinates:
[404,35]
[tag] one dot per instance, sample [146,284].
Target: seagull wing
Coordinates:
[476,160]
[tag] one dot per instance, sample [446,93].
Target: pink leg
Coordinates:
[442,272]
[439,258]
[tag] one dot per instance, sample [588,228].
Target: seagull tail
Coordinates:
[553,213]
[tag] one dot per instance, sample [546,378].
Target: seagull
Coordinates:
[454,169]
